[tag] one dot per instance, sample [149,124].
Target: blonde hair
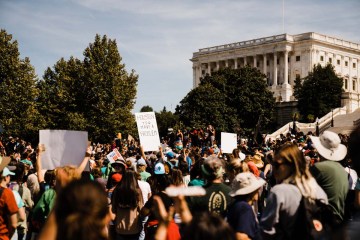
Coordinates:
[300,174]
[66,174]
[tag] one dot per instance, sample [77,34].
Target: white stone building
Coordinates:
[284,57]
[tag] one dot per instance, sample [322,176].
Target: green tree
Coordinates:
[146,108]
[231,100]
[96,94]
[165,119]
[319,92]
[18,92]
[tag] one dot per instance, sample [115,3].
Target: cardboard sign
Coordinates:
[114,155]
[228,142]
[62,147]
[148,131]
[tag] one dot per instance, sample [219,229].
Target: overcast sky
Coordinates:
[157,38]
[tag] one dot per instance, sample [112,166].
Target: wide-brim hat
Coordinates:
[328,145]
[4,161]
[245,183]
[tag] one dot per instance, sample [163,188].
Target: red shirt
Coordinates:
[8,207]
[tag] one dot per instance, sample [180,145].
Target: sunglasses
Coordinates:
[277,165]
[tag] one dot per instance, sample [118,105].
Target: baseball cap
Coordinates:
[159,168]
[141,161]
[7,172]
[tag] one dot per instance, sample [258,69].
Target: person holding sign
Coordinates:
[43,209]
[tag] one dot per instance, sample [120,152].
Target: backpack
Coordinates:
[314,220]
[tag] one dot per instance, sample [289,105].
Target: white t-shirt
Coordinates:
[145,190]
[352,179]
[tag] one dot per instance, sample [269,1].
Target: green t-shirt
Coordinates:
[216,200]
[333,179]
[42,209]
[144,176]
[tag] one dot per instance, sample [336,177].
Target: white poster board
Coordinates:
[228,142]
[62,147]
[148,131]
[114,155]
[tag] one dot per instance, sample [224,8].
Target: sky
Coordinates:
[158,38]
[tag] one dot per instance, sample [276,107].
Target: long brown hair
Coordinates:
[81,209]
[302,177]
[127,193]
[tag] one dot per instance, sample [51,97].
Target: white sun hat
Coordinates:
[245,183]
[328,145]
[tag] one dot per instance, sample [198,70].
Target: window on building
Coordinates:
[277,61]
[298,58]
[322,58]
[338,62]
[345,83]
[346,63]
[297,76]
[353,85]
[258,64]
[354,65]
[203,72]
[267,63]
[330,60]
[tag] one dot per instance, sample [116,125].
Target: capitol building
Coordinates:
[283,58]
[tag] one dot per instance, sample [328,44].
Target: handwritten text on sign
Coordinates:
[148,130]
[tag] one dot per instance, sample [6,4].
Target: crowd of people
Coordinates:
[256,192]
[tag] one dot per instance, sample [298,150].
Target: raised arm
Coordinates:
[142,152]
[161,153]
[85,161]
[40,149]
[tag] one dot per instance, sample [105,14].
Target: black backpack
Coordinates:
[314,220]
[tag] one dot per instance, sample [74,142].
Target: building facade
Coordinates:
[283,58]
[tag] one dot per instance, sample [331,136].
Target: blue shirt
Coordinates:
[241,218]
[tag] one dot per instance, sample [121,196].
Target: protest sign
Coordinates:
[228,142]
[114,155]
[148,131]
[62,147]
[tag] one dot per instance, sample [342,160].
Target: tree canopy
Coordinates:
[233,100]
[165,119]
[146,108]
[319,92]
[18,107]
[96,94]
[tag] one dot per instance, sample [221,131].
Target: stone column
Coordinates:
[245,61]
[255,63]
[209,68]
[217,66]
[358,75]
[286,68]
[326,58]
[350,75]
[227,63]
[275,83]
[264,66]
[235,63]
